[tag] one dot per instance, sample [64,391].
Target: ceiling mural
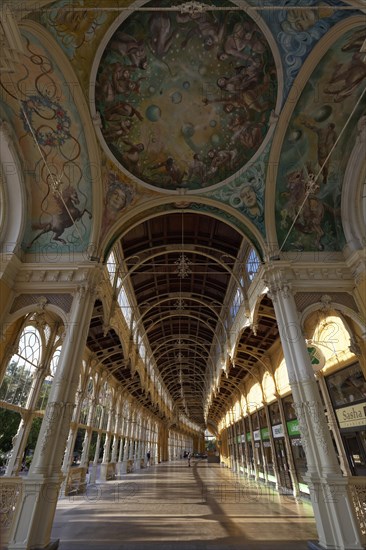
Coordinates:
[297,30]
[185,99]
[246,192]
[316,147]
[54,148]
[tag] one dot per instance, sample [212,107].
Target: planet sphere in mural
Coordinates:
[185,98]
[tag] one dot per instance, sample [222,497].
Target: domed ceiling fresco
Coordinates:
[185,98]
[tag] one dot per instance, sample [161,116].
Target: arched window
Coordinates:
[252,264]
[47,382]
[111,267]
[87,402]
[22,368]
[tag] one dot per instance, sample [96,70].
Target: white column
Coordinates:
[68,456]
[117,431]
[33,522]
[336,523]
[88,436]
[107,446]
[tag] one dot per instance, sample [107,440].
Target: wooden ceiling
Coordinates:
[181,268]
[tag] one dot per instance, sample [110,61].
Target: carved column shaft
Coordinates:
[337,525]
[33,523]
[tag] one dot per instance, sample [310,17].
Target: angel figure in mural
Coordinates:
[327,138]
[66,217]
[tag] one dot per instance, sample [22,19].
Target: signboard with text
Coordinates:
[353,416]
[278,431]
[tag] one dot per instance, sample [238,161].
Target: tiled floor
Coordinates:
[173,507]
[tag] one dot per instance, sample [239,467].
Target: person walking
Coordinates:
[189,459]
[148,455]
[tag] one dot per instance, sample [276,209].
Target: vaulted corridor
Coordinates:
[170,506]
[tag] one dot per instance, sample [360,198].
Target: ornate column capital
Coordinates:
[276,278]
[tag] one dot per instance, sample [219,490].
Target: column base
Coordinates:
[53,545]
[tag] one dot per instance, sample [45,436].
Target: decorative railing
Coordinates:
[130,466]
[111,471]
[76,483]
[357,486]
[11,489]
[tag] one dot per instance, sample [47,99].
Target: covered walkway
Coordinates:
[171,506]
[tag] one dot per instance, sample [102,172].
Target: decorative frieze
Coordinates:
[62,301]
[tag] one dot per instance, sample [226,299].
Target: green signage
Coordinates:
[293,427]
[264,433]
[249,437]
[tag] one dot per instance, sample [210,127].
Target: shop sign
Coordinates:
[265,433]
[352,416]
[296,442]
[293,427]
[249,436]
[257,445]
[278,431]
[242,438]
[257,435]
[316,357]
[266,443]
[238,439]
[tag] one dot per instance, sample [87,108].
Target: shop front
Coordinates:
[347,391]
[297,450]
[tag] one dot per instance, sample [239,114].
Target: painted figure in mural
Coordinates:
[121,109]
[128,46]
[131,157]
[122,81]
[118,196]
[300,20]
[347,77]
[221,159]
[243,42]
[161,34]
[303,205]
[247,88]
[247,133]
[207,27]
[246,77]
[252,204]
[197,170]
[67,215]
[327,138]
[75,26]
[175,174]
[117,129]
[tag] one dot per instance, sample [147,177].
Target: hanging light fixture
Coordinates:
[183,263]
